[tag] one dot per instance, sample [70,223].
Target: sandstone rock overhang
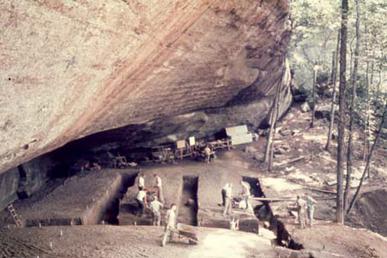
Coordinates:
[73,68]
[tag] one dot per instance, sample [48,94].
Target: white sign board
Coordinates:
[192,141]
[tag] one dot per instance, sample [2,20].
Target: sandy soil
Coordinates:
[332,240]
[129,241]
[144,241]
[315,171]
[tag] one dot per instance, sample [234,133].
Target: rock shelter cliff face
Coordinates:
[73,68]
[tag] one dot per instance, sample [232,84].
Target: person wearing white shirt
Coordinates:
[141,201]
[159,187]
[141,181]
[155,207]
[228,201]
[170,226]
[246,194]
[310,203]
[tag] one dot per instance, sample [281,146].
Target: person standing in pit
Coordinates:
[310,203]
[141,181]
[170,226]
[228,201]
[246,193]
[155,207]
[159,187]
[141,201]
[223,192]
[301,207]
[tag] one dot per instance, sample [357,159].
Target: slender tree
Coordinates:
[332,66]
[271,155]
[341,123]
[333,103]
[273,122]
[369,101]
[352,106]
[366,119]
[314,94]
[354,199]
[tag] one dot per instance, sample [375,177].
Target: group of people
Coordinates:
[155,205]
[227,198]
[305,210]
[156,199]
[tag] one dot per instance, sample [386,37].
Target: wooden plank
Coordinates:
[289,199]
[319,190]
[268,199]
[289,161]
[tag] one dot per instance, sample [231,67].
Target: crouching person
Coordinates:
[170,226]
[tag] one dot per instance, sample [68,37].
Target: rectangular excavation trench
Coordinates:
[264,213]
[111,213]
[173,192]
[102,206]
[188,206]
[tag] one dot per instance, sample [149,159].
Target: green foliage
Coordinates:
[315,25]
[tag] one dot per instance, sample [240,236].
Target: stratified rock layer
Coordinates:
[73,68]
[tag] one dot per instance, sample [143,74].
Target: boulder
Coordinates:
[305,107]
[250,149]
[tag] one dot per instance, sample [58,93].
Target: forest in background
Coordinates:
[341,45]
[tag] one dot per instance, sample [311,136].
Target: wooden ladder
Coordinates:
[15,216]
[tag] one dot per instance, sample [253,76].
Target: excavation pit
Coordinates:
[81,200]
[264,212]
[172,188]
[188,208]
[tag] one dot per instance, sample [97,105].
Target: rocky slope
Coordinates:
[73,68]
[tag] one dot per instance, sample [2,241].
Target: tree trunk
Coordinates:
[380,80]
[366,118]
[369,101]
[314,95]
[341,124]
[354,199]
[352,106]
[336,56]
[333,66]
[273,123]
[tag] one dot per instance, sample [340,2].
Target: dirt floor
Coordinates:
[131,241]
[144,241]
[332,240]
[313,172]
